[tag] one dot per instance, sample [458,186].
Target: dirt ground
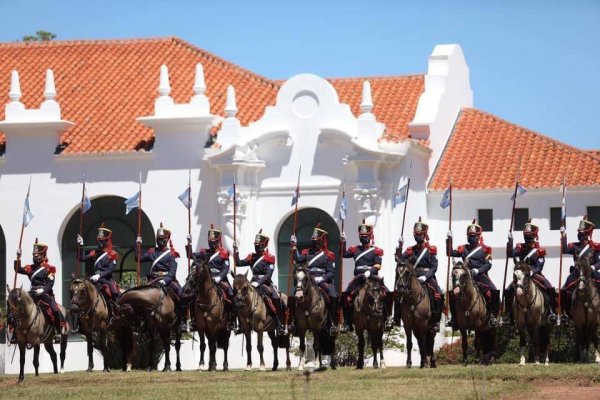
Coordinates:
[566,392]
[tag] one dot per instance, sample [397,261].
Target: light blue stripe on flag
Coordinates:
[400,195]
[132,202]
[87,204]
[186,199]
[520,192]
[27,215]
[446,199]
[343,208]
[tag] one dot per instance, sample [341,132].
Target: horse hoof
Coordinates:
[359,367]
[90,369]
[382,365]
[274,369]
[20,380]
[167,369]
[178,369]
[149,369]
[288,368]
[225,369]
[375,366]
[106,370]
[262,368]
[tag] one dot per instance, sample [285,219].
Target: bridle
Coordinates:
[404,290]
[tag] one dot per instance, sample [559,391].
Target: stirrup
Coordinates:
[333,330]
[281,331]
[436,327]
[493,322]
[564,319]
[346,327]
[450,323]
[291,328]
[389,325]
[552,318]
[183,328]
[56,338]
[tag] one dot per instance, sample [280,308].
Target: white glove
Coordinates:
[235,246]
[475,271]
[79,240]
[19,252]
[293,240]
[510,236]
[343,236]
[401,241]
[217,279]
[94,278]
[562,230]
[39,291]
[162,283]
[318,279]
[449,234]
[138,240]
[422,278]
[255,284]
[367,274]
[189,238]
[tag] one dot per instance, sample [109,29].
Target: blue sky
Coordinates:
[534,63]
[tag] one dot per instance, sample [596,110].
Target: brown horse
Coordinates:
[368,313]
[90,307]
[585,311]
[253,316]
[471,313]
[156,309]
[33,328]
[312,315]
[209,313]
[528,312]
[415,309]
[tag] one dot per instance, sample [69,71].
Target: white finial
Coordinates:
[50,90]
[199,84]
[15,88]
[164,87]
[230,105]
[366,105]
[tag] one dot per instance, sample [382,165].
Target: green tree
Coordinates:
[40,36]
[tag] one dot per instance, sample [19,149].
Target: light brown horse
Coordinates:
[528,312]
[90,307]
[471,313]
[585,311]
[209,313]
[312,315]
[156,309]
[33,328]
[415,309]
[368,314]
[253,316]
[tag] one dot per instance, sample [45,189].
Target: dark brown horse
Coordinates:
[368,313]
[254,316]
[90,307]
[471,312]
[209,313]
[312,315]
[415,310]
[585,311]
[33,328]
[528,312]
[156,309]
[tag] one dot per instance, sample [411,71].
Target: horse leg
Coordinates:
[422,342]
[261,349]
[275,344]
[534,337]
[465,345]
[248,336]
[595,341]
[375,348]
[202,338]
[150,351]
[409,346]
[50,349]
[302,351]
[431,353]
[212,350]
[63,351]
[360,362]
[21,361]
[225,349]
[522,347]
[90,353]
[165,335]
[177,348]
[36,359]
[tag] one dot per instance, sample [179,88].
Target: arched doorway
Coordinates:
[308,218]
[109,210]
[3,279]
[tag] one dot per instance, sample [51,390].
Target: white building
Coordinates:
[214,120]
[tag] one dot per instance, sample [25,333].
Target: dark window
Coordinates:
[594,215]
[485,218]
[521,218]
[555,218]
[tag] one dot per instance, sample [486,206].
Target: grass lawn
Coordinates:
[447,382]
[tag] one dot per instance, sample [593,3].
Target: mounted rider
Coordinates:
[42,276]
[262,265]
[367,263]
[164,268]
[584,247]
[424,258]
[534,255]
[105,262]
[217,258]
[478,257]
[320,263]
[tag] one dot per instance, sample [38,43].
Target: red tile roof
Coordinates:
[104,85]
[484,152]
[595,153]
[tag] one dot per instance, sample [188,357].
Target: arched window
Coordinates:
[109,210]
[308,218]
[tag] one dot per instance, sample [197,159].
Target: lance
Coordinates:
[342,247]
[563,224]
[139,232]
[447,300]
[406,202]
[77,262]
[510,229]
[291,267]
[189,215]
[234,223]
[21,235]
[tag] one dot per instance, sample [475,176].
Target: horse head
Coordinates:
[18,301]
[403,273]
[522,277]
[460,276]
[199,276]
[303,283]
[241,289]
[584,266]
[374,298]
[79,294]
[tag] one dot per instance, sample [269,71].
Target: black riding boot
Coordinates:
[280,315]
[565,300]
[58,322]
[335,316]
[388,309]
[181,314]
[347,309]
[452,321]
[552,319]
[231,316]
[508,318]
[494,307]
[291,309]
[437,312]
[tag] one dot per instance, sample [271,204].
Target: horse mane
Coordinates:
[523,266]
